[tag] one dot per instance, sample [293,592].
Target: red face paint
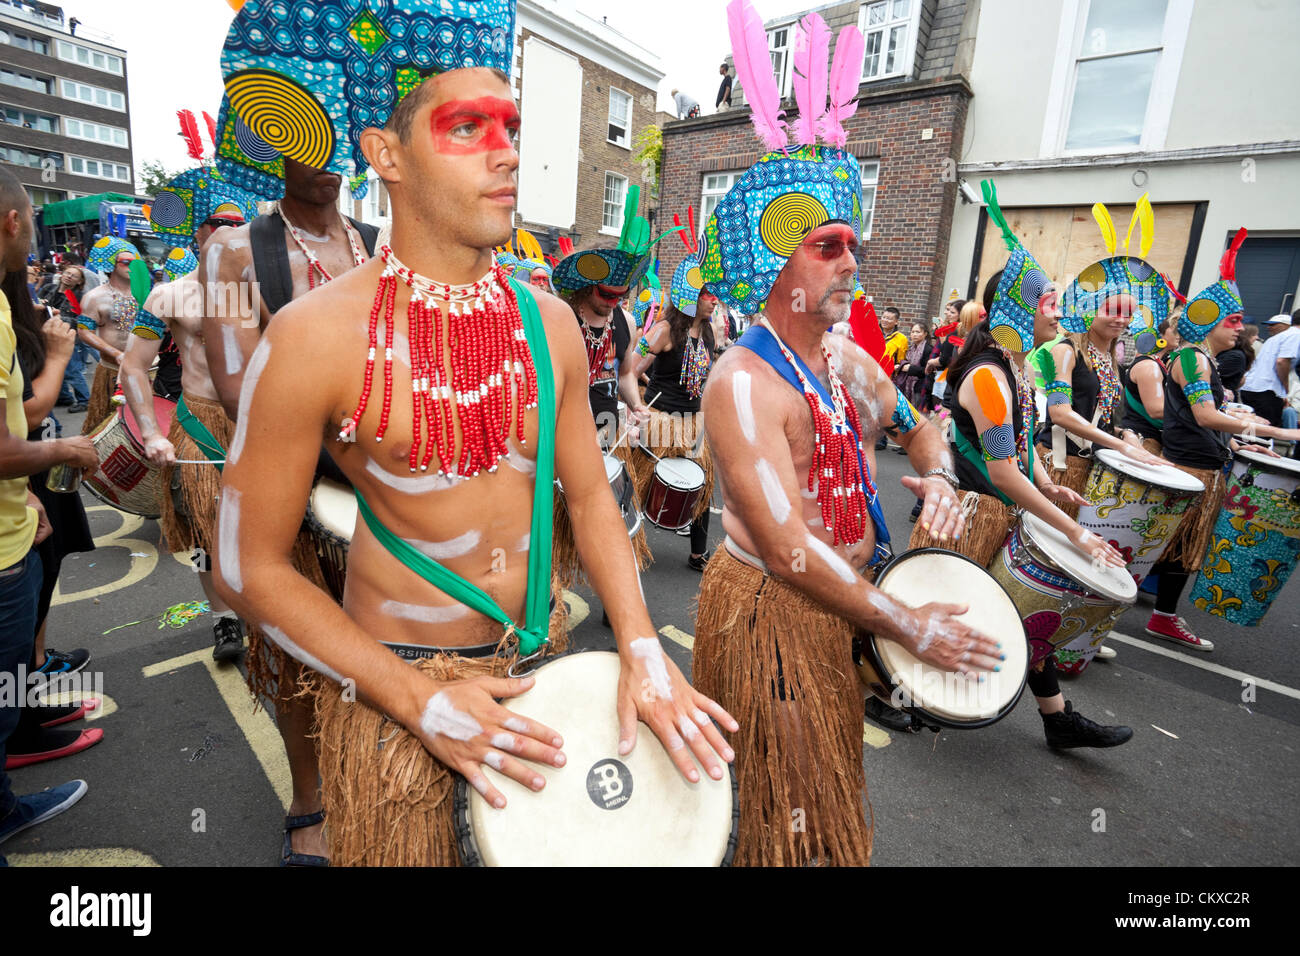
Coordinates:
[462,127]
[611,295]
[1234,321]
[539,280]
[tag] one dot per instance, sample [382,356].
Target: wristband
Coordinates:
[643,347]
[905,416]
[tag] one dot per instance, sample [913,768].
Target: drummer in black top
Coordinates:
[994,411]
[1144,385]
[679,350]
[1197,438]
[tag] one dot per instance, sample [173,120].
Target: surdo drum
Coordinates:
[938,697]
[600,809]
[125,478]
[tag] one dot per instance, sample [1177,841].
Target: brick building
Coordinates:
[585,93]
[64,107]
[907,136]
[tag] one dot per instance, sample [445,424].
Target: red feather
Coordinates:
[73,301]
[1228,265]
[190,133]
[566,246]
[866,332]
[212,128]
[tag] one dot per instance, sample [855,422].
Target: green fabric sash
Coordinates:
[537,608]
[197,431]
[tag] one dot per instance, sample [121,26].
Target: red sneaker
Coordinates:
[1173,628]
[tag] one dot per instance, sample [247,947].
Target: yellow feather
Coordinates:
[1107,225]
[1144,214]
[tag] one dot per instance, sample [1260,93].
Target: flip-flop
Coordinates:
[66,713]
[290,858]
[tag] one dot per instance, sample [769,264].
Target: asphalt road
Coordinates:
[188,774]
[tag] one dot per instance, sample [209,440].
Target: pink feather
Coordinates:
[811,79]
[754,70]
[846,77]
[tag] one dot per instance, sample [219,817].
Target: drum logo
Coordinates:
[123,469]
[609,784]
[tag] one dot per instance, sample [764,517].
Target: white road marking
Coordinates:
[1206,665]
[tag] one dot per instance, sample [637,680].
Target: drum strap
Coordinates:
[977,459]
[198,432]
[759,341]
[537,608]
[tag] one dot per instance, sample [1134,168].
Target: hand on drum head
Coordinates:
[79,452]
[159,451]
[1138,453]
[938,638]
[501,739]
[941,513]
[1062,495]
[1101,550]
[653,690]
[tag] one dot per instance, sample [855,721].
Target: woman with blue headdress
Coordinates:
[1198,438]
[991,391]
[1143,379]
[1081,374]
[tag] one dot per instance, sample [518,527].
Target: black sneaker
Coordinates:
[1070,729]
[77,407]
[916,513]
[698,562]
[878,712]
[229,640]
[59,664]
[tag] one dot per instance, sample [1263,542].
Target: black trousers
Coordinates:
[1266,405]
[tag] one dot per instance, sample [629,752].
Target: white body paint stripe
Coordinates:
[298,654]
[234,359]
[836,563]
[740,393]
[455,548]
[256,365]
[777,502]
[410,486]
[423,614]
[228,540]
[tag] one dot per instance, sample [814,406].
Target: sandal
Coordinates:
[288,857]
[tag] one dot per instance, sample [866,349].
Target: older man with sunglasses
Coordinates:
[791,413]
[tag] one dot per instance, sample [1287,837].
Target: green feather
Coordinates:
[141,280]
[1041,358]
[1187,358]
[629,216]
[995,213]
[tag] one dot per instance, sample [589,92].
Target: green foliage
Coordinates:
[648,150]
[155,177]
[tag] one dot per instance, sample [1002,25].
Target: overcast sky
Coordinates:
[174,47]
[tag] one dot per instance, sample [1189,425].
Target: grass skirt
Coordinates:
[1074,477]
[985,532]
[1188,544]
[199,484]
[798,760]
[100,405]
[565,561]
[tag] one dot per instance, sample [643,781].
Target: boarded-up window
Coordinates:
[1066,239]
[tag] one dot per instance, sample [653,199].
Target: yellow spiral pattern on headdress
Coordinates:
[1008,338]
[592,267]
[695,278]
[283,114]
[788,219]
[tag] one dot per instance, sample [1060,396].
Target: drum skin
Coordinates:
[332,517]
[599,809]
[125,479]
[940,697]
[1256,541]
[1062,613]
[1132,511]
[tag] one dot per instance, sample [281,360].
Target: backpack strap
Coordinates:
[271,261]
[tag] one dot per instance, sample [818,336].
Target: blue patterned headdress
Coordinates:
[1210,306]
[791,191]
[619,267]
[194,197]
[650,296]
[304,77]
[103,254]
[179,262]
[1023,283]
[1119,275]
[688,280]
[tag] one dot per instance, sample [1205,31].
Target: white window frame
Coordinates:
[8,38]
[787,53]
[77,87]
[69,52]
[716,194]
[1164,83]
[70,123]
[906,62]
[871,182]
[71,162]
[619,205]
[627,132]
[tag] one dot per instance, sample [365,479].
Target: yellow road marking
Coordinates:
[258,728]
[579,610]
[874,736]
[140,568]
[100,856]
[678,636]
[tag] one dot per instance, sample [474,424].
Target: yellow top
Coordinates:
[17,521]
[896,346]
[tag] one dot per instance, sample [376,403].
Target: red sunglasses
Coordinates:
[828,250]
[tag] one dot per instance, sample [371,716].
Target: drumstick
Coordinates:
[198,461]
[629,427]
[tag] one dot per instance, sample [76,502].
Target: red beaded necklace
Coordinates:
[842,488]
[314,267]
[490,360]
[598,348]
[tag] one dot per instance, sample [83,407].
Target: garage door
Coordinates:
[1268,273]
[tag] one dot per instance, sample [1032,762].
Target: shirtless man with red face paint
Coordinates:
[448,159]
